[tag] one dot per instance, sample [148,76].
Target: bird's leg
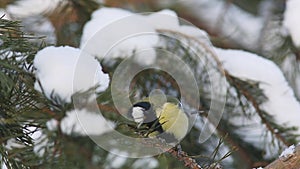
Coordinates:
[178,149]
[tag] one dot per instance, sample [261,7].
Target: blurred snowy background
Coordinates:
[256,41]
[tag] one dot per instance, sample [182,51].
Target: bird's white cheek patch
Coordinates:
[138,114]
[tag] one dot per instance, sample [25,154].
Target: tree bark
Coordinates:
[292,161]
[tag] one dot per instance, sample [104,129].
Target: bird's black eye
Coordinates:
[144,105]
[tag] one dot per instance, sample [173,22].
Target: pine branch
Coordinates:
[257,108]
[18,97]
[180,155]
[241,152]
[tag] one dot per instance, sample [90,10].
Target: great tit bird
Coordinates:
[164,119]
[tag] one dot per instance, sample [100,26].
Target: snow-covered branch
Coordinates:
[281,102]
[227,20]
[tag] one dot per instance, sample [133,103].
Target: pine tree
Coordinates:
[27,141]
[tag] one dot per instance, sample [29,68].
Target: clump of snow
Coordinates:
[27,8]
[168,20]
[163,19]
[79,122]
[52,124]
[3,166]
[59,67]
[228,20]
[114,32]
[39,139]
[31,13]
[116,159]
[117,33]
[149,162]
[281,103]
[13,143]
[288,151]
[40,144]
[101,18]
[83,122]
[291,20]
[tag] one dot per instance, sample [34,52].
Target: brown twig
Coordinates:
[107,108]
[182,156]
[242,153]
[48,111]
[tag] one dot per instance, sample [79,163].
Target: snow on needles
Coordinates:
[83,122]
[117,33]
[114,32]
[121,32]
[291,20]
[27,8]
[288,151]
[227,19]
[66,70]
[281,102]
